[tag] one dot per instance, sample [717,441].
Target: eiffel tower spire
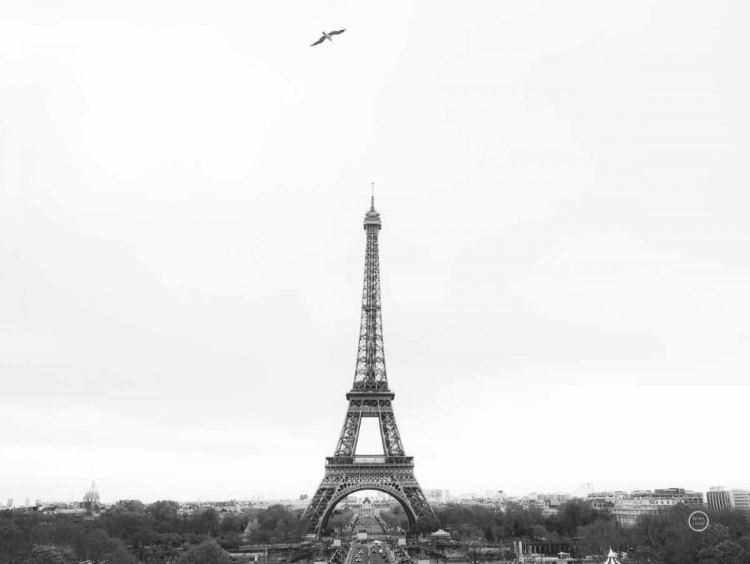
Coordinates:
[370,372]
[392,472]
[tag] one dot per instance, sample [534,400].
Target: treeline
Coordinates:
[130,529]
[664,538]
[32,539]
[478,522]
[160,522]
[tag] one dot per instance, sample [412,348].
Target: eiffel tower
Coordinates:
[345,472]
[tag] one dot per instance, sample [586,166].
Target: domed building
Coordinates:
[91,498]
[366,509]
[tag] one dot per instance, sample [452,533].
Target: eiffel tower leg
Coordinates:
[418,502]
[319,506]
[407,482]
[347,444]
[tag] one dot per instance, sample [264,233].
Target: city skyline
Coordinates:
[452,496]
[563,254]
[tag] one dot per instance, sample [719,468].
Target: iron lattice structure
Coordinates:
[392,472]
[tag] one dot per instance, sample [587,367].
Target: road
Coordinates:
[369,554]
[371,525]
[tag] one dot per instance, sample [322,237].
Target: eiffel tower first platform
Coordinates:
[393,472]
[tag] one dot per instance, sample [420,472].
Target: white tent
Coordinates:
[611,557]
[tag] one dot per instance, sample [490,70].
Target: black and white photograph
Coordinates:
[345,282]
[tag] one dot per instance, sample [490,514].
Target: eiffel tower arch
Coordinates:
[392,472]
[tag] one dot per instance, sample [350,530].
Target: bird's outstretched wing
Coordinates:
[319,41]
[336,32]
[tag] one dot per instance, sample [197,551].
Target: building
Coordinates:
[91,498]
[437,495]
[719,499]
[385,504]
[554,499]
[291,504]
[604,501]
[741,500]
[646,502]
[366,509]
[494,494]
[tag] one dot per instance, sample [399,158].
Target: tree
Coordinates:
[597,537]
[129,521]
[426,524]
[51,554]
[98,544]
[233,522]
[15,542]
[518,521]
[395,519]
[166,516]
[573,514]
[208,552]
[270,529]
[120,555]
[470,520]
[539,532]
[204,522]
[725,543]
[725,552]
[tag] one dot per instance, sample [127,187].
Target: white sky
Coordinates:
[564,254]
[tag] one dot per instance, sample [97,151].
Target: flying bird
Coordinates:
[327,36]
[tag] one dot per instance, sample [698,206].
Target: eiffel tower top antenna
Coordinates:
[372,199]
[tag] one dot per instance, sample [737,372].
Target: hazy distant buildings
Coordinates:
[438,495]
[554,499]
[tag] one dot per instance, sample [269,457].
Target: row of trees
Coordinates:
[493,524]
[663,538]
[161,522]
[31,539]
[130,528]
[666,538]
[158,531]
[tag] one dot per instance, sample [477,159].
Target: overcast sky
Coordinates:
[564,254]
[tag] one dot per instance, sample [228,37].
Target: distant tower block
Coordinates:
[91,498]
